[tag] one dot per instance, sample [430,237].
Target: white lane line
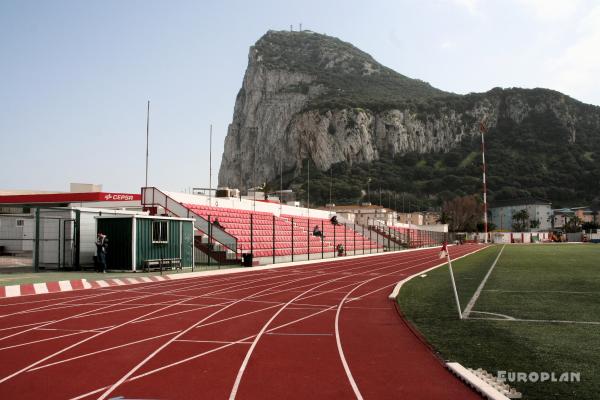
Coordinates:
[42,340]
[101,351]
[177,313]
[158,350]
[25,325]
[345,300]
[327,267]
[40,361]
[196,356]
[473,300]
[244,365]
[210,341]
[298,334]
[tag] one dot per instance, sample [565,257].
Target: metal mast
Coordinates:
[147,138]
[210,167]
[483,130]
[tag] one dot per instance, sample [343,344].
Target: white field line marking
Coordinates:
[473,300]
[545,321]
[87,339]
[102,351]
[42,340]
[399,285]
[538,291]
[244,365]
[504,316]
[143,362]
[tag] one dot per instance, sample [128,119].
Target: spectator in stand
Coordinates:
[317,232]
[217,223]
[334,220]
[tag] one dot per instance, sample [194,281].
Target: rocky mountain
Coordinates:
[308,97]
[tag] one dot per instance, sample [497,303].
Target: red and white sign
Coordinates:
[46,198]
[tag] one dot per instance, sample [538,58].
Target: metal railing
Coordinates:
[152,197]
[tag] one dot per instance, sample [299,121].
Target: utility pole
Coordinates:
[483,130]
[330,187]
[147,139]
[308,187]
[210,167]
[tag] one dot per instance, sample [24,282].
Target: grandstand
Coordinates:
[227,229]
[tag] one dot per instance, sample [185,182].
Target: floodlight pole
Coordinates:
[147,139]
[483,129]
[210,167]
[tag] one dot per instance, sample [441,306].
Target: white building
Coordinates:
[502,212]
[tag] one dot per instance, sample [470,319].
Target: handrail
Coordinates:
[151,196]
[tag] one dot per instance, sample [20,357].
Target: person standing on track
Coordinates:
[101,251]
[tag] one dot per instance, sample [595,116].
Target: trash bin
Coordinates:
[247,259]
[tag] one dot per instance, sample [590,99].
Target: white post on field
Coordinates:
[460,316]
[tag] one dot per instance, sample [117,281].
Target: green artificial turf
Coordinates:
[529,282]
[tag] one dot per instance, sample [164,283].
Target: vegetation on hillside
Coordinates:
[534,157]
[351,76]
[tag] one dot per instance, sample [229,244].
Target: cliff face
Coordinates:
[309,96]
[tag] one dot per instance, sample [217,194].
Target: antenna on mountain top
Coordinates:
[300,27]
[291,28]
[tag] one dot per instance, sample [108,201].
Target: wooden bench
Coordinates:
[162,264]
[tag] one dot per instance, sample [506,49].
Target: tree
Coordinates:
[573,225]
[521,219]
[534,223]
[462,213]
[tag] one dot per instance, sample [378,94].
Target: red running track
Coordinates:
[318,331]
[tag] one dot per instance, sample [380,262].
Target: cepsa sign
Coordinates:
[118,197]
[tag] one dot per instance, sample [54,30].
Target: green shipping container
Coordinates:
[134,239]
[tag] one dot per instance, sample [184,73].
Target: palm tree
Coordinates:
[521,219]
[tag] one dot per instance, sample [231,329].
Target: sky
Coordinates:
[75,76]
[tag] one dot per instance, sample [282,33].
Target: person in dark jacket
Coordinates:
[101,251]
[317,232]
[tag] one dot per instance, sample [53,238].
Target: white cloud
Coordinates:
[448,45]
[472,6]
[551,10]
[577,69]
